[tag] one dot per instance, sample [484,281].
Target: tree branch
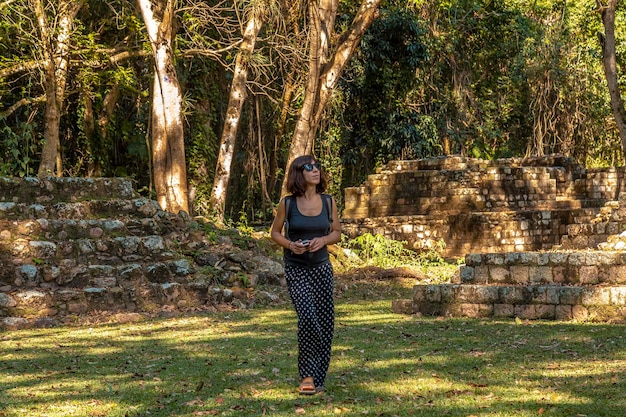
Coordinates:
[20,103]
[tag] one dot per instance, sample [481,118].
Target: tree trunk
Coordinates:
[238,93]
[324,73]
[168,144]
[610,68]
[94,165]
[56,61]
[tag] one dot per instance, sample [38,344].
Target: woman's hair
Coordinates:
[296,184]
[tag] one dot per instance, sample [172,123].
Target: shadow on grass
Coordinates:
[244,364]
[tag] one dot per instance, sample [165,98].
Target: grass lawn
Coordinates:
[243,363]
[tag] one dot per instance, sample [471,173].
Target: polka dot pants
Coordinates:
[311,291]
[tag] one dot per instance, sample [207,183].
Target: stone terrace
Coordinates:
[561,285]
[482,206]
[71,246]
[528,229]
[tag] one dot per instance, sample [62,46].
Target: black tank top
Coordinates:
[307,227]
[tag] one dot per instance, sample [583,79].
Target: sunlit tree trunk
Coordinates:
[324,73]
[168,144]
[56,61]
[238,93]
[607,11]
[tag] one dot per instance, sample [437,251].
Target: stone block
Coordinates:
[604,313]
[476,310]
[448,293]
[512,258]
[467,274]
[511,295]
[596,296]
[494,259]
[572,274]
[520,274]
[558,274]
[486,294]
[618,296]
[503,310]
[432,293]
[466,293]
[543,259]
[529,258]
[545,311]
[588,275]
[576,259]
[540,274]
[608,258]
[481,274]
[570,295]
[563,312]
[591,258]
[536,294]
[499,275]
[526,311]
[617,274]
[553,295]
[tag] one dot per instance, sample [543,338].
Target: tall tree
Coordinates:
[168,142]
[607,11]
[237,97]
[325,70]
[55,65]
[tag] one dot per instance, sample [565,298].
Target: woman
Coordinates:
[308,271]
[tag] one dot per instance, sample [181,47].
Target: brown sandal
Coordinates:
[307,387]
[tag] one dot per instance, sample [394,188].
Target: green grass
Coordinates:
[243,363]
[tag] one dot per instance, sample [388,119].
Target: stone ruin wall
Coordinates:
[479,206]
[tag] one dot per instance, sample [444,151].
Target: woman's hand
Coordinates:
[316,244]
[297,247]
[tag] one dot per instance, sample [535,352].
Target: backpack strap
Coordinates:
[329,209]
[287,214]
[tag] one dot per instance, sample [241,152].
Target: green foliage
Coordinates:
[374,114]
[18,150]
[380,251]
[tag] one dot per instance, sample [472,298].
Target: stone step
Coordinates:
[550,302]
[73,246]
[69,229]
[54,189]
[112,209]
[24,253]
[70,273]
[553,267]
[123,247]
[144,297]
[36,308]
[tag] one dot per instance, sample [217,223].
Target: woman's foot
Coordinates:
[307,386]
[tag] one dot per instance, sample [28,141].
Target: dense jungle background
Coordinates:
[481,78]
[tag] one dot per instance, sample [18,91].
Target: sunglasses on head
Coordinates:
[309,167]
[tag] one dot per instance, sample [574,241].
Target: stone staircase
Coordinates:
[76,246]
[540,236]
[481,206]
[558,285]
